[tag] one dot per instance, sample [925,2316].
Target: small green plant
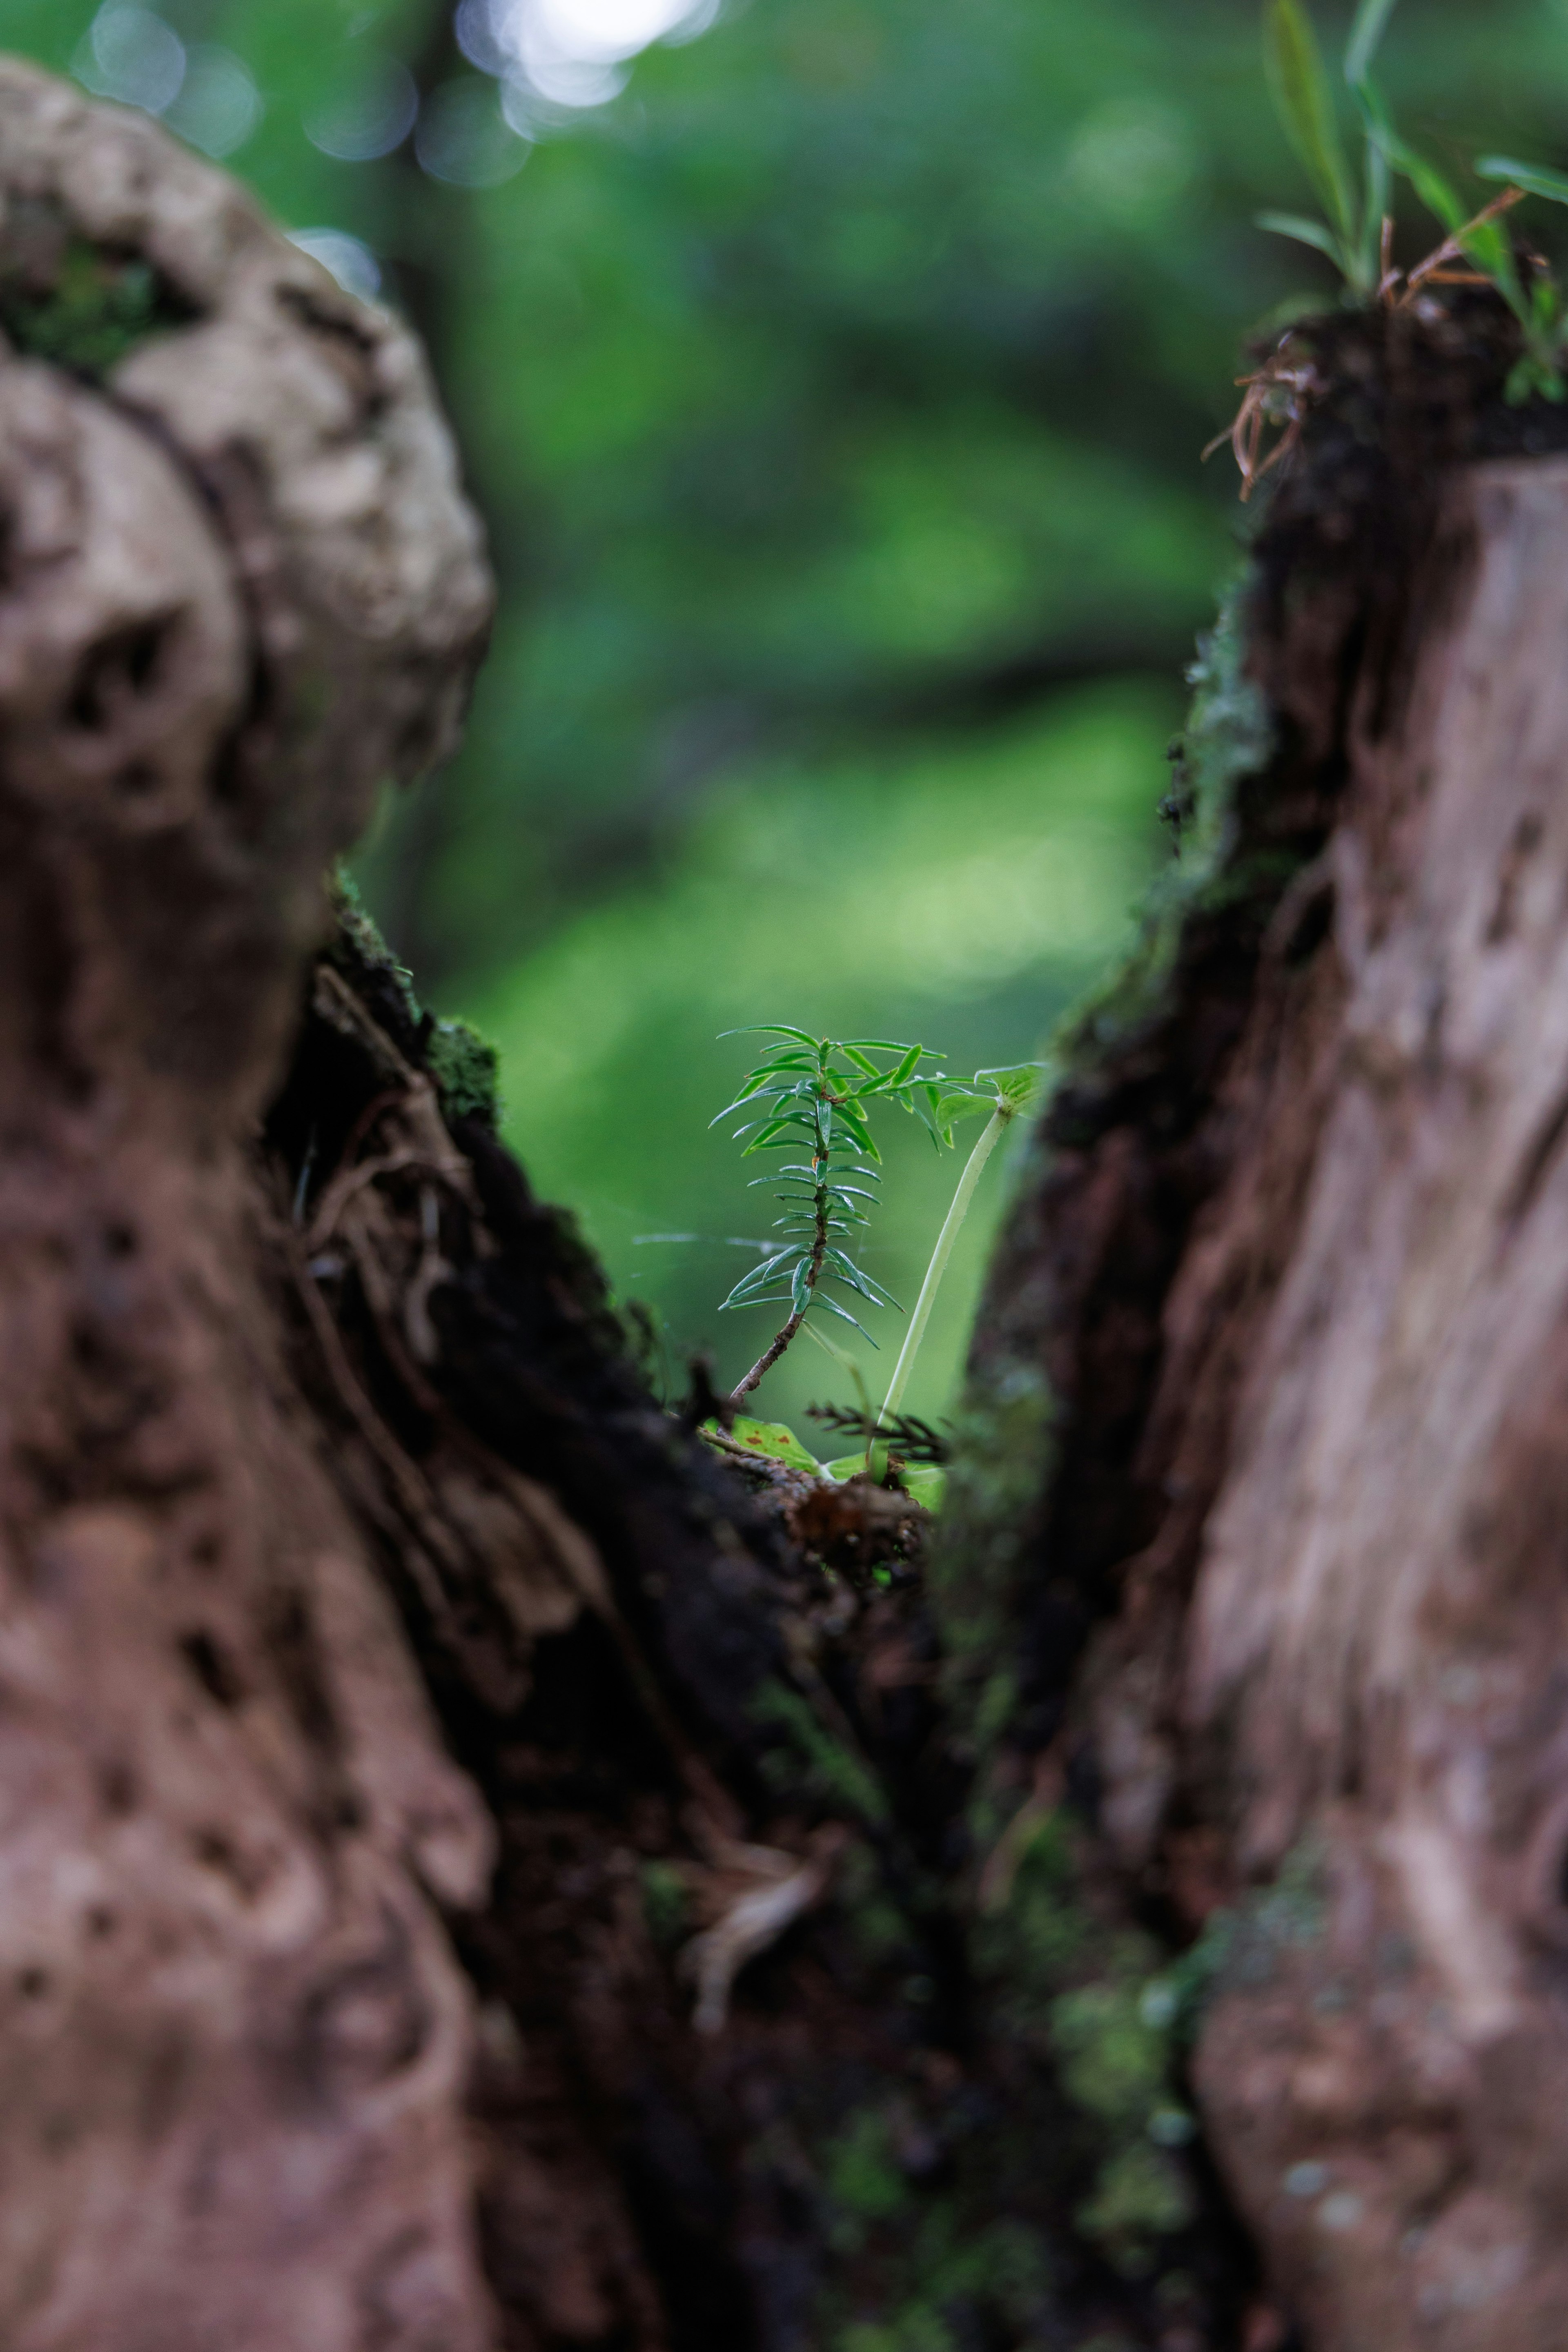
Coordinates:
[1356,232]
[816,1096]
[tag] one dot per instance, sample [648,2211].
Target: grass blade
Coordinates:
[1366,33]
[1535,179]
[1304,98]
[1304,231]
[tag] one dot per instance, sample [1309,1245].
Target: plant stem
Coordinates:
[766,1361]
[951,1226]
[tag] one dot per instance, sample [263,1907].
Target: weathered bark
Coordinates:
[238,588]
[1294,1267]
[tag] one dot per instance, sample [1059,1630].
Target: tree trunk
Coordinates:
[1294,1265]
[477,1875]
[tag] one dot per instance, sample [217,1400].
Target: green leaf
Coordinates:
[1379,202]
[883,1045]
[820,1298]
[800,1288]
[1304,98]
[956,1106]
[774,1029]
[758,1279]
[860,1060]
[740,1103]
[770,1129]
[1535,179]
[924,1483]
[1304,231]
[774,1439]
[1428,183]
[1019,1082]
[847,1270]
[1532,377]
[752,1294]
[1366,33]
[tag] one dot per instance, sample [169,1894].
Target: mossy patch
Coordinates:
[466,1071]
[666,1905]
[1229,735]
[1242,1946]
[465,1066]
[923,2268]
[977,1563]
[365,947]
[80,306]
[811,1762]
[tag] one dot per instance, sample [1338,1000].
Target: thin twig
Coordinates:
[766,1361]
[1453,249]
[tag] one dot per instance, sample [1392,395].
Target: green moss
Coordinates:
[879,1932]
[666,1905]
[976,1569]
[89,310]
[860,2175]
[948,2268]
[466,1070]
[365,941]
[1140,2195]
[1229,736]
[813,1762]
[919,2329]
[1113,2059]
[465,1066]
[1025,1947]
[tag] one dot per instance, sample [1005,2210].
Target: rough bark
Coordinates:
[1294,1268]
[239,587]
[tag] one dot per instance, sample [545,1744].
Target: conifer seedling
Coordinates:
[816,1097]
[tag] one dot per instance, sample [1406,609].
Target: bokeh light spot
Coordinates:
[132,55]
[1131,157]
[371,111]
[570,53]
[464,138]
[611,28]
[219,106]
[350,260]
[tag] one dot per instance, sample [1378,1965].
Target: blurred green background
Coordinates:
[832,376]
